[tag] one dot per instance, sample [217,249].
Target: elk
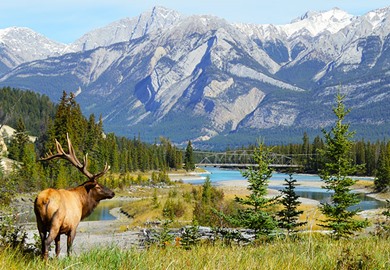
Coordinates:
[59,211]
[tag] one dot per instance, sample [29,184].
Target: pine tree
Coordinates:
[315,161]
[66,121]
[28,173]
[189,163]
[62,177]
[288,216]
[337,168]
[382,177]
[190,236]
[18,142]
[256,214]
[305,144]
[209,199]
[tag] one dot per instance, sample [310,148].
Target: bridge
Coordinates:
[243,159]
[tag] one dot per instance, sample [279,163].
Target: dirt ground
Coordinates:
[95,234]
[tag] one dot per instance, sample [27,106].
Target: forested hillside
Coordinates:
[32,114]
[34,109]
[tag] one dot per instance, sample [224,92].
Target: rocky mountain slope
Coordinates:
[205,79]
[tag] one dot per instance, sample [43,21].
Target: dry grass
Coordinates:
[312,251]
[144,211]
[369,184]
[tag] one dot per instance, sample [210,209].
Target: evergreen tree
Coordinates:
[337,168]
[155,201]
[190,236]
[209,199]
[189,163]
[173,157]
[382,178]
[113,153]
[29,171]
[19,141]
[62,177]
[256,214]
[68,120]
[315,162]
[305,144]
[288,216]
[32,107]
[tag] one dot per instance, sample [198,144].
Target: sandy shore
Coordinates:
[176,177]
[239,188]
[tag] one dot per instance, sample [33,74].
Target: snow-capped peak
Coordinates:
[377,17]
[15,35]
[127,29]
[24,44]
[154,20]
[317,22]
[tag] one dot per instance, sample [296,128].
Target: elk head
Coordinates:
[98,191]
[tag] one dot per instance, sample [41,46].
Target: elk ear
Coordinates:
[90,185]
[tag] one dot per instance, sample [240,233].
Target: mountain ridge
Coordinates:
[146,73]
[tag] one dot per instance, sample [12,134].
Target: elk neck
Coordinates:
[87,200]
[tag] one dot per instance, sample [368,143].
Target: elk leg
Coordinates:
[44,251]
[58,244]
[71,236]
[42,234]
[53,234]
[47,242]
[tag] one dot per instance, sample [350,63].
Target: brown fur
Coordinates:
[59,211]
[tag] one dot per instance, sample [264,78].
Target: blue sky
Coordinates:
[66,20]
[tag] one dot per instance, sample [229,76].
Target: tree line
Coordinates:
[366,154]
[371,158]
[124,155]
[32,114]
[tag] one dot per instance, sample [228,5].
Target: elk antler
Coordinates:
[71,157]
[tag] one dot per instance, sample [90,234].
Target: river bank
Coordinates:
[236,185]
[118,232]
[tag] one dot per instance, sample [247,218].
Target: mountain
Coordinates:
[127,29]
[19,45]
[204,79]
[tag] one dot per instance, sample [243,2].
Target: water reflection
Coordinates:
[102,211]
[321,195]
[315,193]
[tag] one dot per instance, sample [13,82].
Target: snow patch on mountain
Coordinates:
[317,22]
[22,45]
